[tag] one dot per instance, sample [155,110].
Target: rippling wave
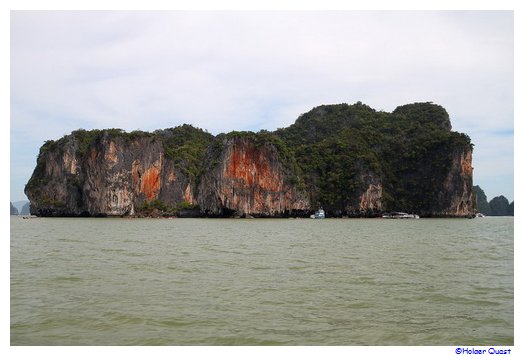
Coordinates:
[261,282]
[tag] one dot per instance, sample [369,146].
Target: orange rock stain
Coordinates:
[467,168]
[150,184]
[250,166]
[188,195]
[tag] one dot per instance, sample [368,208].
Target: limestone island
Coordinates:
[351,160]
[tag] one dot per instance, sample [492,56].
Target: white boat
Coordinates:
[480,215]
[319,214]
[400,215]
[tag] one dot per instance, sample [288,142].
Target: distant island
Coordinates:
[20,208]
[498,206]
[14,210]
[351,160]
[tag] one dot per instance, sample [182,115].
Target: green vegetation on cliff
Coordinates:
[186,146]
[409,150]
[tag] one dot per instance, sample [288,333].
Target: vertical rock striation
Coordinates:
[456,197]
[113,175]
[250,179]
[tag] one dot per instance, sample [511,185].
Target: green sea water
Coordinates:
[113,281]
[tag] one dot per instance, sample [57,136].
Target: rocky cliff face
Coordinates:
[456,194]
[369,201]
[114,176]
[120,176]
[250,179]
[117,176]
[349,159]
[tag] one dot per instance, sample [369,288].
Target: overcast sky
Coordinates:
[224,71]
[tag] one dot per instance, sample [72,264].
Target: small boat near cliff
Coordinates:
[400,215]
[319,214]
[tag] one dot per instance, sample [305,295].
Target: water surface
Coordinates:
[88,281]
